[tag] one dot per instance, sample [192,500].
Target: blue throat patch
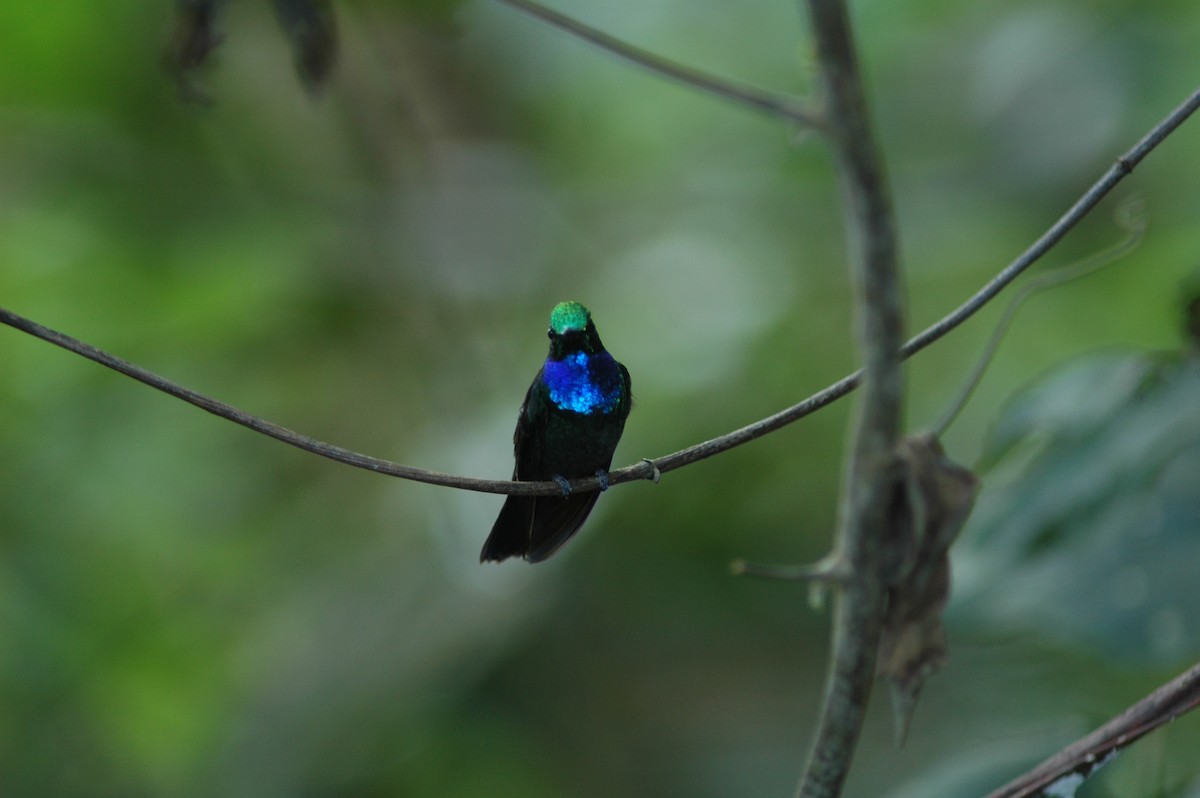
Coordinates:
[584,384]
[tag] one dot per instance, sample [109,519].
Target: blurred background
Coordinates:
[187,608]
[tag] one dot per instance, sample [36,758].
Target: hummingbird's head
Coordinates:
[571,330]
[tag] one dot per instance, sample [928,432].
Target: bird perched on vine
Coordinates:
[568,427]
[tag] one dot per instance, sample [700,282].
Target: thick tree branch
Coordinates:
[1080,759]
[745,96]
[872,476]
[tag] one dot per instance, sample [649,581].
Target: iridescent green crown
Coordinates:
[568,316]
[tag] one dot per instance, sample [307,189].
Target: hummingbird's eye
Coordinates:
[550,333]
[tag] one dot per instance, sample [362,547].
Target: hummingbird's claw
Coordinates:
[602,476]
[657,475]
[562,483]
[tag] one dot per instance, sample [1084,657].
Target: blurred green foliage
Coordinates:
[1089,530]
[190,609]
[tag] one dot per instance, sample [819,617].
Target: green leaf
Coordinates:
[1088,525]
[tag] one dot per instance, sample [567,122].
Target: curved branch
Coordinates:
[1129,216]
[746,96]
[1123,166]
[270,429]
[643,469]
[1121,169]
[1083,757]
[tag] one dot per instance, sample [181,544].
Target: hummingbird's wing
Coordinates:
[510,534]
[529,436]
[626,394]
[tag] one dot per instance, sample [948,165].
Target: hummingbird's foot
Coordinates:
[562,483]
[602,476]
[657,475]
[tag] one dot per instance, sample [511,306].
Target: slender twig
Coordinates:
[644,469]
[1130,217]
[1123,167]
[746,96]
[871,478]
[268,428]
[1079,760]
[831,570]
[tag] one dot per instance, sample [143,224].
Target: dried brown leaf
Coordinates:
[932,504]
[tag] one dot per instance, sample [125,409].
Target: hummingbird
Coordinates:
[568,427]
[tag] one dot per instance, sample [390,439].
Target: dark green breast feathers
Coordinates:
[568,427]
